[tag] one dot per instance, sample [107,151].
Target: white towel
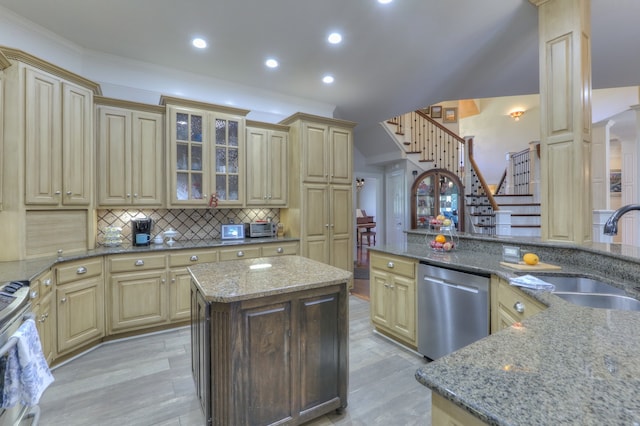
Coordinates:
[27,374]
[529,281]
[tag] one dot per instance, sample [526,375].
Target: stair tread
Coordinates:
[513,195]
[519,204]
[525,214]
[525,226]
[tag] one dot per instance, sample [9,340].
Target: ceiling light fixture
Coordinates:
[384,1]
[199,43]
[516,114]
[328,79]
[271,63]
[334,38]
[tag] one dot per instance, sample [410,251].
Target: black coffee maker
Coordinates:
[141,231]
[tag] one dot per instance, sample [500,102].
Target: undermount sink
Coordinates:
[591,293]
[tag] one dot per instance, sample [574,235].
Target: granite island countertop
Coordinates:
[567,365]
[236,280]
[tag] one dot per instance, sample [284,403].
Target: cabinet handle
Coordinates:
[128,195]
[332,225]
[326,225]
[42,318]
[68,192]
[194,258]
[240,253]
[34,294]
[58,193]
[163,280]
[173,280]
[139,262]
[47,282]
[81,270]
[519,307]
[135,195]
[280,250]
[63,300]
[390,265]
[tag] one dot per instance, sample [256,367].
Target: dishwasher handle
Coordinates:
[452,285]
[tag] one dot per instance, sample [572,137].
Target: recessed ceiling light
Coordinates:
[271,63]
[334,38]
[199,43]
[328,79]
[384,1]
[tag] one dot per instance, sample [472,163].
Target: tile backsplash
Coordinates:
[191,224]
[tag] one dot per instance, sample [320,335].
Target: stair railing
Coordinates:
[520,172]
[481,180]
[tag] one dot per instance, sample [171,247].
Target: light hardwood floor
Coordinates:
[147,381]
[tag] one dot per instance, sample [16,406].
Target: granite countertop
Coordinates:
[236,280]
[566,365]
[28,269]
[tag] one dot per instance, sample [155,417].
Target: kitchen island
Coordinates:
[269,340]
[566,365]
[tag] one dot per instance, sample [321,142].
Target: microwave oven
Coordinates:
[260,229]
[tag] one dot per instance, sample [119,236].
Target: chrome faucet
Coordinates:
[611,227]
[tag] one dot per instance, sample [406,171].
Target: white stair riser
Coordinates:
[513,199]
[525,232]
[522,209]
[525,220]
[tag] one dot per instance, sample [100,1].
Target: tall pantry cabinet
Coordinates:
[48,158]
[320,210]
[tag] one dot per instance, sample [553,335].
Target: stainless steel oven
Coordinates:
[14,309]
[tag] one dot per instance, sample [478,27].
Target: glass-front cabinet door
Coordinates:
[189,131]
[205,154]
[436,196]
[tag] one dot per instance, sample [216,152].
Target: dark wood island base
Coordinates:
[270,356]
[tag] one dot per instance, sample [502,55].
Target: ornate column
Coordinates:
[565,132]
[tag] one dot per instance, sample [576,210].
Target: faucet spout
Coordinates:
[611,226]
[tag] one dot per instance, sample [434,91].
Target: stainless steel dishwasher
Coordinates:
[453,310]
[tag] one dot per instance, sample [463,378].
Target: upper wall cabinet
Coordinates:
[327,157]
[267,164]
[130,153]
[205,154]
[58,140]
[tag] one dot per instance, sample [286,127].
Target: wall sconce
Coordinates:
[359,183]
[516,114]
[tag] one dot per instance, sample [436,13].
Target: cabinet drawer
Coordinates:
[240,253]
[187,258]
[279,249]
[136,263]
[512,299]
[74,271]
[393,264]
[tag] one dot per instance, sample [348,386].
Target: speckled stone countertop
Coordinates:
[568,365]
[28,269]
[236,280]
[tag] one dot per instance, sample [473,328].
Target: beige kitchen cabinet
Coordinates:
[393,296]
[445,412]
[205,153]
[320,210]
[267,164]
[240,252]
[327,224]
[510,305]
[79,303]
[279,249]
[130,154]
[136,292]
[42,301]
[58,141]
[180,280]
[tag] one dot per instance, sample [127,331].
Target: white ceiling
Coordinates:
[394,58]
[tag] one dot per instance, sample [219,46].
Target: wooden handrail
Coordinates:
[483,183]
[440,126]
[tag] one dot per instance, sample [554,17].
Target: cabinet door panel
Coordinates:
[315,210]
[278,172]
[404,322]
[137,300]
[319,350]
[77,145]
[314,166]
[379,298]
[80,312]
[341,156]
[42,119]
[114,150]
[266,341]
[146,169]
[179,295]
[257,141]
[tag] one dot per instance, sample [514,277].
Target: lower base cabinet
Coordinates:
[510,305]
[274,360]
[445,412]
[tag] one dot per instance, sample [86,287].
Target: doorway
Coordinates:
[437,193]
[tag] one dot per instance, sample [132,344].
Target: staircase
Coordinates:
[430,144]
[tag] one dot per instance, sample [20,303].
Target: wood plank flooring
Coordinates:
[147,381]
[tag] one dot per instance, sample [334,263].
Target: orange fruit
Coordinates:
[440,238]
[531,258]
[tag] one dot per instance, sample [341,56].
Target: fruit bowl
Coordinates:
[440,246]
[446,240]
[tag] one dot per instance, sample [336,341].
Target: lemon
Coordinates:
[531,258]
